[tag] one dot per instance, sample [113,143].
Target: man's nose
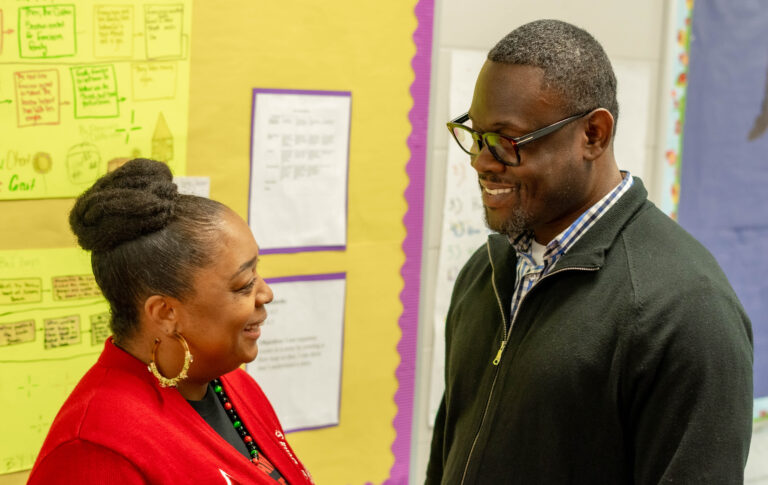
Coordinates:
[485,162]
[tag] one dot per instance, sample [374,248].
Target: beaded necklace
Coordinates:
[238,425]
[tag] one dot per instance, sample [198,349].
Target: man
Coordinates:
[593,340]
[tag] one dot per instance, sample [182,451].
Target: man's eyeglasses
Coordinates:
[505,149]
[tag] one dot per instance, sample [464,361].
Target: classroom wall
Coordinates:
[635,32]
[364,48]
[629,30]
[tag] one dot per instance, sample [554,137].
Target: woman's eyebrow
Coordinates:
[247,265]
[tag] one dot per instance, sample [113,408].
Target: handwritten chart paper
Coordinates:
[301,344]
[53,324]
[299,166]
[85,86]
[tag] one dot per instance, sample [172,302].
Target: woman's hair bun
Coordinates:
[134,200]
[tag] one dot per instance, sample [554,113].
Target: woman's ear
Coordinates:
[162,313]
[599,132]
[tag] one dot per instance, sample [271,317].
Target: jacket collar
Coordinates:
[115,357]
[588,252]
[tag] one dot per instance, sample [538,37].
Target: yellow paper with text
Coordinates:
[85,86]
[53,325]
[345,45]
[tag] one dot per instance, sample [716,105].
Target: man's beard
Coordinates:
[516,223]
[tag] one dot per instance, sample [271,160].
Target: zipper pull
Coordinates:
[498,354]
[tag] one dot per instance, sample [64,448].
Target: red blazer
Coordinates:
[120,426]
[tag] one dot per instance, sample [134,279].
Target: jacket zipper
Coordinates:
[509,331]
[507,334]
[495,361]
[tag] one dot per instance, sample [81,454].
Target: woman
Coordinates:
[166,401]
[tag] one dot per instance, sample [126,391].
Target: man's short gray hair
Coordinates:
[575,65]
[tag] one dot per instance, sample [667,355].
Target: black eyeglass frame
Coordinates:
[517,141]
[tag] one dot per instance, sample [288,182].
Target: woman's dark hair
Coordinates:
[145,238]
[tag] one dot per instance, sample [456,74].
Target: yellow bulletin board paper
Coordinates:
[361,47]
[365,48]
[53,324]
[85,85]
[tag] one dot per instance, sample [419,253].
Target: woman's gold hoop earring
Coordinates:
[172,382]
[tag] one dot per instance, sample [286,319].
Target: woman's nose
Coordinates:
[264,294]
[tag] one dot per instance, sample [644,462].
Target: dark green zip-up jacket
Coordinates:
[629,363]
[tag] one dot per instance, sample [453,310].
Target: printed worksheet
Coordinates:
[300,350]
[299,167]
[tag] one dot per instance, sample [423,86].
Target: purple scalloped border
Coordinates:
[412,245]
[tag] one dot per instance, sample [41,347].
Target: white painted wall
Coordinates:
[631,32]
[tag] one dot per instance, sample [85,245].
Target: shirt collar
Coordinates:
[522,242]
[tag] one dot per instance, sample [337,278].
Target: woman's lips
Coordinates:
[253,330]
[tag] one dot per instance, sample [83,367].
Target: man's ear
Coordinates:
[162,313]
[599,132]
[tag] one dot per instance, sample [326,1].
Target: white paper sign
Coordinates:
[299,166]
[633,92]
[300,350]
[199,186]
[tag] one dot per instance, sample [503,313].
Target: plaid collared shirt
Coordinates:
[528,272]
